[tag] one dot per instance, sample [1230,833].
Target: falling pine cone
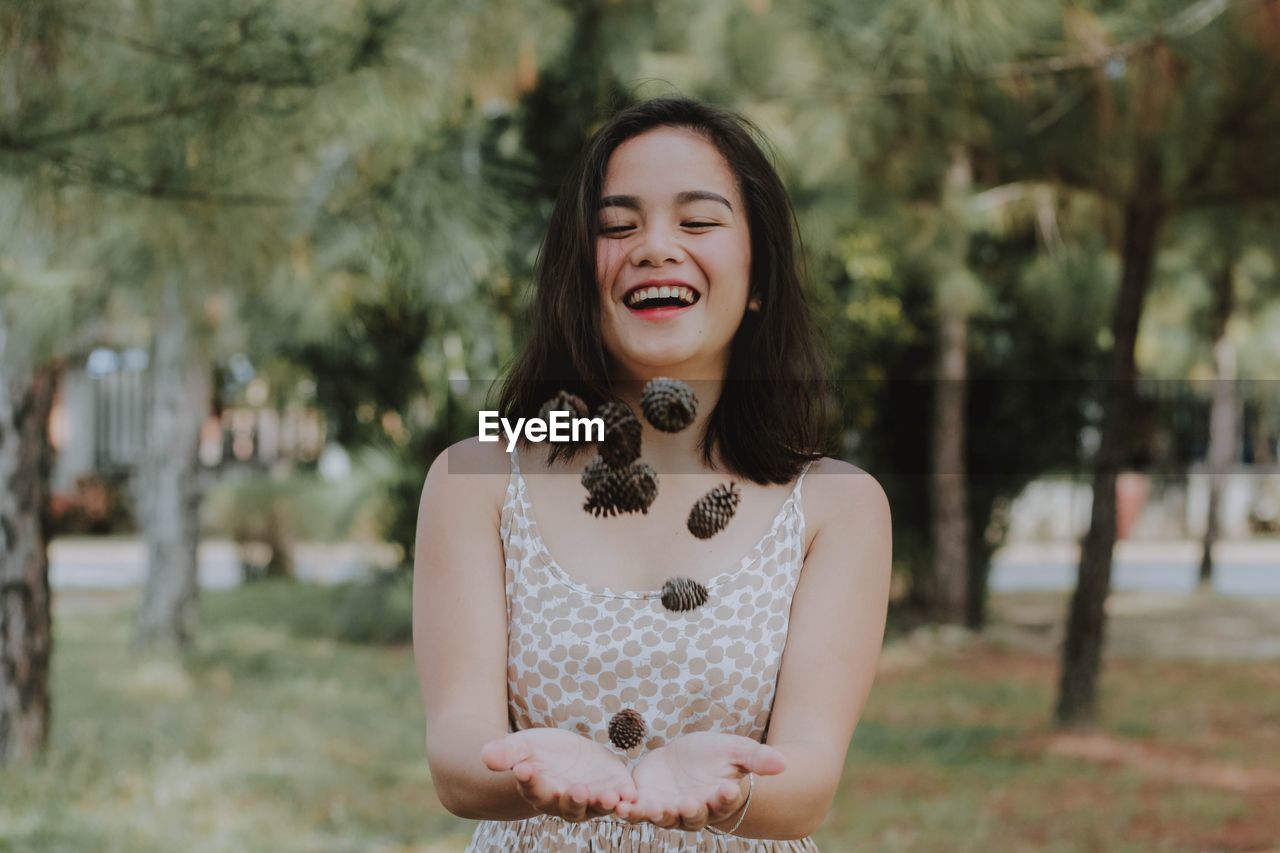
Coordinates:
[669,404]
[564,401]
[615,491]
[626,729]
[594,474]
[621,445]
[714,510]
[681,594]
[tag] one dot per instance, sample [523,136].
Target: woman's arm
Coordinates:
[833,642]
[460,631]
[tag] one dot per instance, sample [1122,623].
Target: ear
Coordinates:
[753,304]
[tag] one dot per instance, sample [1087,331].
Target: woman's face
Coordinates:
[673,257]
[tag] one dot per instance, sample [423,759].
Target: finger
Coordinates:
[667,817]
[693,814]
[602,803]
[573,803]
[505,753]
[689,807]
[524,772]
[630,812]
[647,810]
[724,802]
[540,790]
[606,800]
[532,788]
[760,759]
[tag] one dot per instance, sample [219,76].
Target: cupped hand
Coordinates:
[696,779]
[562,773]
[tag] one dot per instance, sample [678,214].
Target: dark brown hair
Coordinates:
[773,410]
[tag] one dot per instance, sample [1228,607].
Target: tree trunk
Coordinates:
[26,628]
[950,514]
[168,487]
[1086,620]
[955,300]
[1222,415]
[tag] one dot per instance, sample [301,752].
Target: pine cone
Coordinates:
[621,490]
[564,401]
[621,445]
[668,404]
[594,474]
[626,728]
[714,510]
[681,594]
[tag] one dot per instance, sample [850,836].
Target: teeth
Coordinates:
[684,294]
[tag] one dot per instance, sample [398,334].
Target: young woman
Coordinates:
[536,624]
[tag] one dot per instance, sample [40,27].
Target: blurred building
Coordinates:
[98,427]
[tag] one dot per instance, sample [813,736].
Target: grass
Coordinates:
[956,754]
[272,736]
[268,738]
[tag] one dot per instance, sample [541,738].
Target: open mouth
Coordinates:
[651,298]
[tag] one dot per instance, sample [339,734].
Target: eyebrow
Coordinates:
[630,201]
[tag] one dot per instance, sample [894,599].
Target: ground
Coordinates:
[274,737]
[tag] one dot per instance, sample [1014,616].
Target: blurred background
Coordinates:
[255,255]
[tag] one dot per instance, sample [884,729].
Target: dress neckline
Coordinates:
[522,496]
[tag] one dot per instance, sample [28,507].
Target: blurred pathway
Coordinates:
[1244,568]
[120,563]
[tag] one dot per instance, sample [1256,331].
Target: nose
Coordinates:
[658,244]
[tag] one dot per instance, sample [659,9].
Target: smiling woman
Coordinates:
[656,684]
[686,213]
[680,194]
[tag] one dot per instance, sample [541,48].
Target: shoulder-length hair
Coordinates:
[773,411]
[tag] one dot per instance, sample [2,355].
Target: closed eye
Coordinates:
[618,229]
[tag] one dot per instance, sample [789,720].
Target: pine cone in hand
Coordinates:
[626,729]
[669,404]
[620,490]
[564,401]
[681,594]
[621,445]
[714,510]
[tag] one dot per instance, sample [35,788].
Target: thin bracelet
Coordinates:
[751,787]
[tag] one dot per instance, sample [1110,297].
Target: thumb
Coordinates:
[761,759]
[504,753]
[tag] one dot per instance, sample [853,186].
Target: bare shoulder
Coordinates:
[835,484]
[470,472]
[836,490]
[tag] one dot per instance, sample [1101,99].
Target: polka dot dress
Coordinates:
[577,655]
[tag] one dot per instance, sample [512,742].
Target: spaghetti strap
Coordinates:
[510,499]
[803,471]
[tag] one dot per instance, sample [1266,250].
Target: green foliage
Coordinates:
[377,611]
[1031,366]
[354,195]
